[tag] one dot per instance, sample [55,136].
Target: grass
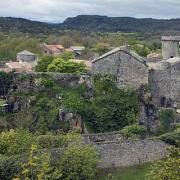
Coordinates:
[129,173]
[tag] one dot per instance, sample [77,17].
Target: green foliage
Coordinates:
[134,131]
[166,118]
[62,66]
[9,166]
[37,166]
[168,168]
[66,56]
[100,50]
[110,109]
[128,173]
[57,141]
[172,138]
[142,50]
[15,142]
[43,63]
[79,161]
[12,44]
[5,82]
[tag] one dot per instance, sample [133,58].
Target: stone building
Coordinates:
[164,76]
[27,57]
[128,68]
[53,49]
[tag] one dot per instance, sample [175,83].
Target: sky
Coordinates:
[58,10]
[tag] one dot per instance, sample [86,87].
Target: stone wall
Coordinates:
[102,137]
[30,81]
[130,153]
[165,84]
[127,67]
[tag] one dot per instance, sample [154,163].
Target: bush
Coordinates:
[136,131]
[15,142]
[62,66]
[43,63]
[58,141]
[166,118]
[167,169]
[9,166]
[78,162]
[172,138]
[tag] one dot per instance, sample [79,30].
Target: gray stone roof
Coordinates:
[25,52]
[124,49]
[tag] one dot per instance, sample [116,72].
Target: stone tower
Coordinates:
[170,46]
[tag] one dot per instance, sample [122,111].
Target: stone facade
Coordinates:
[170,46]
[130,153]
[164,81]
[129,69]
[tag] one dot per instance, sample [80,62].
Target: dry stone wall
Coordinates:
[130,153]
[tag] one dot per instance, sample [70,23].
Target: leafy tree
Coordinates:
[66,56]
[79,161]
[167,169]
[43,63]
[62,66]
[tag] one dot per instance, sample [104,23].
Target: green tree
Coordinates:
[62,66]
[79,161]
[43,63]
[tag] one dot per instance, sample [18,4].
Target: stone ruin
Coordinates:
[158,82]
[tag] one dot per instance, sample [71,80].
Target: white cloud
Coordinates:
[58,10]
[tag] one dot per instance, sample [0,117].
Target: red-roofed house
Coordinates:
[52,50]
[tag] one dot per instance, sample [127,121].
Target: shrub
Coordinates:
[15,142]
[43,63]
[57,141]
[79,161]
[9,166]
[166,118]
[172,138]
[167,169]
[137,131]
[62,66]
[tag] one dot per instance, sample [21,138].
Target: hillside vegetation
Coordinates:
[91,23]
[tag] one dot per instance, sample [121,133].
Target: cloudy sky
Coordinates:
[59,10]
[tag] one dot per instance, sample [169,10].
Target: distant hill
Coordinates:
[10,24]
[91,23]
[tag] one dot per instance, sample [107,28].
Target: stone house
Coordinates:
[27,57]
[25,62]
[128,68]
[162,76]
[52,50]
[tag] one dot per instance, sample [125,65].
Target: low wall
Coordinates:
[129,153]
[102,137]
[29,81]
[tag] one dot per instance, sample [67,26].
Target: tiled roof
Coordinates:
[54,48]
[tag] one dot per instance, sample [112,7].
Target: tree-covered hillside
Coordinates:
[91,23]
